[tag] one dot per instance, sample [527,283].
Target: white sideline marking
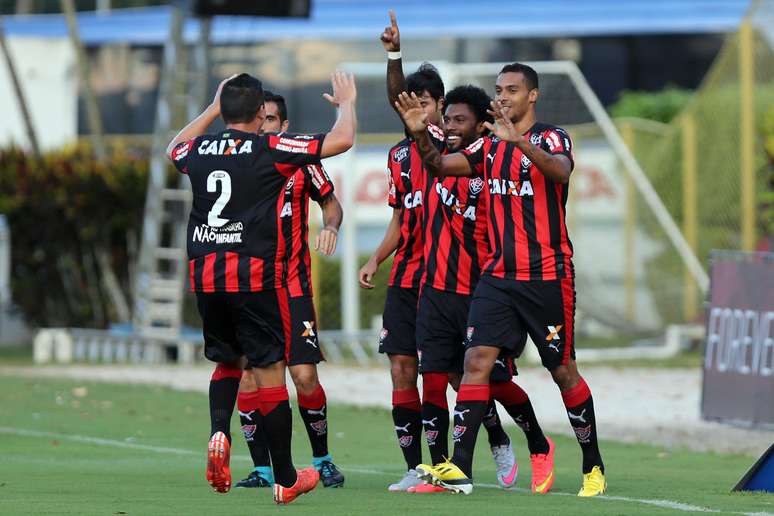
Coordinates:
[84,439]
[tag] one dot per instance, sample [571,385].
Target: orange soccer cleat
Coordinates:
[306,481]
[218,458]
[543,469]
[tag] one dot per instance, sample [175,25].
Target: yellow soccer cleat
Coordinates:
[446,475]
[593,483]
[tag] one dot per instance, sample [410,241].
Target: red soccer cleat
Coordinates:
[306,481]
[218,457]
[426,488]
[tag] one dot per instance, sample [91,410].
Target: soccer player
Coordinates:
[527,285]
[455,249]
[234,240]
[304,351]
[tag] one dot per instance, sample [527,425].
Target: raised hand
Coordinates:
[411,112]
[503,128]
[344,89]
[216,100]
[391,35]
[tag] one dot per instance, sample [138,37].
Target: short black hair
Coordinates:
[476,99]
[426,78]
[530,75]
[240,99]
[279,100]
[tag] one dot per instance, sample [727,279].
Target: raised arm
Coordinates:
[396,81]
[198,126]
[332,214]
[415,118]
[386,248]
[555,167]
[341,137]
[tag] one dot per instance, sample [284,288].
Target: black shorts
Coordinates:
[254,324]
[399,322]
[304,345]
[503,312]
[441,329]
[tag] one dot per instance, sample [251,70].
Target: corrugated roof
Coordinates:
[365,19]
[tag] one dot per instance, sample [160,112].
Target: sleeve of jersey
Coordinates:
[180,155]
[437,137]
[292,151]
[393,196]
[557,141]
[322,186]
[476,155]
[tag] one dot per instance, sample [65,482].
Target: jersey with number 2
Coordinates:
[238,181]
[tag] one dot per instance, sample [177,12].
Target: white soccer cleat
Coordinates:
[410,479]
[505,461]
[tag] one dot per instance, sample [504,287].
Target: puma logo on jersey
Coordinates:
[490,157]
[579,417]
[507,187]
[225,147]
[412,200]
[553,346]
[247,415]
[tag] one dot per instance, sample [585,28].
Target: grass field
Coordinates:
[82,449]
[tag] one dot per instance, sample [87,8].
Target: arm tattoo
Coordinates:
[431,158]
[396,82]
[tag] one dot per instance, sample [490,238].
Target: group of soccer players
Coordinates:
[481,260]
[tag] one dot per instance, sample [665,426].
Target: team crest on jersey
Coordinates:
[181,151]
[471,329]
[321,427]
[534,139]
[249,431]
[400,154]
[458,432]
[476,185]
[431,436]
[406,441]
[525,161]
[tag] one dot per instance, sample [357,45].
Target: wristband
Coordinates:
[332,229]
[394,55]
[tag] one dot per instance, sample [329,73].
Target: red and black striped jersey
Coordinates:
[311,181]
[408,183]
[238,180]
[456,243]
[527,229]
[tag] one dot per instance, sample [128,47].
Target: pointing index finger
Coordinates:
[393,20]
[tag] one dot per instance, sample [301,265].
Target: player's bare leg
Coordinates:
[314,411]
[224,385]
[406,415]
[276,420]
[247,405]
[580,410]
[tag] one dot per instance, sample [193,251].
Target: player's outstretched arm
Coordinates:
[555,167]
[415,119]
[386,248]
[332,215]
[198,126]
[396,81]
[341,137]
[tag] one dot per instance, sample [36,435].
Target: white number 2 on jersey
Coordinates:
[215,177]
